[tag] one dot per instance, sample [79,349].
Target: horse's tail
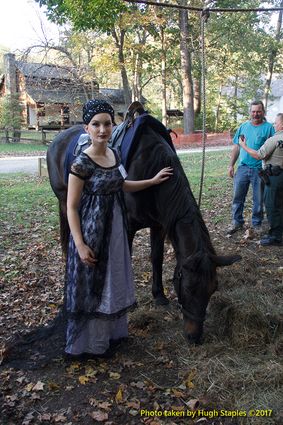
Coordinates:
[64,228]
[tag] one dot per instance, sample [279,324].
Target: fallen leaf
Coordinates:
[21,379]
[83,379]
[133,404]
[29,387]
[249,234]
[114,375]
[119,395]
[146,276]
[189,380]
[28,418]
[193,404]
[60,418]
[178,393]
[38,386]
[93,402]
[99,416]
[90,372]
[53,386]
[45,417]
[139,384]
[73,368]
[105,405]
[159,345]
[35,396]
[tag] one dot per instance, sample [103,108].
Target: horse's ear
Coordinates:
[225,260]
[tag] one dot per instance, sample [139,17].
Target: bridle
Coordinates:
[186,313]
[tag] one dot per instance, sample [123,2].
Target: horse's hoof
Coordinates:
[194,340]
[161,300]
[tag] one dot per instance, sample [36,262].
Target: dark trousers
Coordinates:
[273,200]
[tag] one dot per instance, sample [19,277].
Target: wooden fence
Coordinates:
[27,136]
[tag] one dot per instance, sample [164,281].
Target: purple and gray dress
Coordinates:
[98,298]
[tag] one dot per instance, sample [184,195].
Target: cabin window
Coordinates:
[65,111]
[40,109]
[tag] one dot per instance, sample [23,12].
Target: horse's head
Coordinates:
[195,281]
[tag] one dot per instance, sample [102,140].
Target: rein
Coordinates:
[185,312]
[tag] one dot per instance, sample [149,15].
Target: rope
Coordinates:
[203,20]
[198,9]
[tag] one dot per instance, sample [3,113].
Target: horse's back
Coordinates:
[56,155]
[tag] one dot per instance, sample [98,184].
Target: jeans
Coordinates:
[246,176]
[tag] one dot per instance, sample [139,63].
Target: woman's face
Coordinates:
[100,128]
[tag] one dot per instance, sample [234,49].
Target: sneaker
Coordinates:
[234,228]
[268,240]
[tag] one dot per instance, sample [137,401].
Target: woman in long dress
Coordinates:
[100,289]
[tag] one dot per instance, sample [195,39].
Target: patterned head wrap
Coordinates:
[93,107]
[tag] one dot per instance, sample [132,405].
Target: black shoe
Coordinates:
[270,240]
[108,354]
[234,229]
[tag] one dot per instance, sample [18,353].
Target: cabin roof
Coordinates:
[45,71]
[174,113]
[75,96]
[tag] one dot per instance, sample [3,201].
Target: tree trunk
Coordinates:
[197,99]
[218,105]
[138,63]
[186,71]
[235,103]
[119,41]
[163,77]
[272,57]
[136,94]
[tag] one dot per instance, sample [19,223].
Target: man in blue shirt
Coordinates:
[255,131]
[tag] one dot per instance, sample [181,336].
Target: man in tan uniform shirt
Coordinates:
[271,153]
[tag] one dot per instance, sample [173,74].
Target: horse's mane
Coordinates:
[174,200]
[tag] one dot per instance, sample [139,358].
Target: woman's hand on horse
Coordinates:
[163,175]
[87,255]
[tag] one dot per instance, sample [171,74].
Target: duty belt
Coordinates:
[270,170]
[273,170]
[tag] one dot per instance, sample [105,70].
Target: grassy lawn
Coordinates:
[21,148]
[31,142]
[28,205]
[217,187]
[28,202]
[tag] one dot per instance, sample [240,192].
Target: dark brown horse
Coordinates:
[167,209]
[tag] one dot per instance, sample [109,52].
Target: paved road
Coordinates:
[30,164]
[25,164]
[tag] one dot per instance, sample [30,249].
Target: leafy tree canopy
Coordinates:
[85,14]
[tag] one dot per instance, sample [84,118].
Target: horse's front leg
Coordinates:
[157,250]
[131,235]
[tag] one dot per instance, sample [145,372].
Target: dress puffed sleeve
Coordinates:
[81,167]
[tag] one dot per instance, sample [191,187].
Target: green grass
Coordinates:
[21,148]
[28,205]
[31,142]
[27,200]
[217,186]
